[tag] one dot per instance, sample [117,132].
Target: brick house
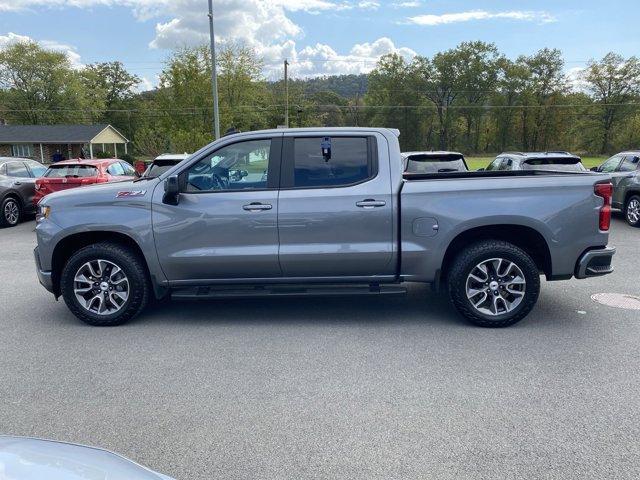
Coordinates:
[41,142]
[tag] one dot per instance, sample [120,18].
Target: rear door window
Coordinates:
[129,171]
[629,164]
[115,169]
[557,164]
[349,163]
[75,171]
[37,169]
[17,170]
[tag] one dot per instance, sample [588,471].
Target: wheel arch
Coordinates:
[66,247]
[524,237]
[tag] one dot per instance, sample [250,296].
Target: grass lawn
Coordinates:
[479,162]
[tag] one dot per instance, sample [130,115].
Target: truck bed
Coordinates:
[559,207]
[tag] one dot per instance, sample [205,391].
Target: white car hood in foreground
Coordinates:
[24,458]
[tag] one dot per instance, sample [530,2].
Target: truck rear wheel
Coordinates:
[494,283]
[105,284]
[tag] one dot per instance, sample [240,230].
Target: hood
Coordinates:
[102,191]
[24,458]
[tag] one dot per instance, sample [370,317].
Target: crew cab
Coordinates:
[79,173]
[325,211]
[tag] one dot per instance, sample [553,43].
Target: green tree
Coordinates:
[614,82]
[479,65]
[39,86]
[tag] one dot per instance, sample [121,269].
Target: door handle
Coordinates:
[256,207]
[370,203]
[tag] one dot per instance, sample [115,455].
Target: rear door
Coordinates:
[22,182]
[335,212]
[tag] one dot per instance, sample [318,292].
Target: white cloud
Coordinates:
[411,4]
[530,16]
[70,51]
[321,59]
[368,5]
[263,25]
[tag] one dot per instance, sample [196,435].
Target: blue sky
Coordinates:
[320,36]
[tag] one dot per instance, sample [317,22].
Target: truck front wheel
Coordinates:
[493,283]
[105,284]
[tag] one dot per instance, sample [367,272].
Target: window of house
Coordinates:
[21,150]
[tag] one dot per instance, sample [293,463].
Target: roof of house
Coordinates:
[51,133]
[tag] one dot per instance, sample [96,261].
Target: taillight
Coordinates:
[604,190]
[102,180]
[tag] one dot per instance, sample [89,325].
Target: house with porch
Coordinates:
[43,142]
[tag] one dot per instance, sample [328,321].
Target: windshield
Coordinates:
[435,164]
[556,164]
[158,167]
[63,171]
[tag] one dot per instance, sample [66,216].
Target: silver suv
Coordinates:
[558,161]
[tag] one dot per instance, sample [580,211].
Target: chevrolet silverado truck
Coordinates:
[325,211]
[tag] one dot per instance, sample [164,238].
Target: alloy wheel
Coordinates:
[495,286]
[101,287]
[633,211]
[11,212]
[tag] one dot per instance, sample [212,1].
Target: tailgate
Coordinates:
[50,185]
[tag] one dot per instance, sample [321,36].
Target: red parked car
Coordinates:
[78,173]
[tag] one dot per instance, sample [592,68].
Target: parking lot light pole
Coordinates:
[214,75]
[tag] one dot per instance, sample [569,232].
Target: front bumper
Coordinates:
[594,263]
[44,277]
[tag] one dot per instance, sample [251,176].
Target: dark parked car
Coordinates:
[434,162]
[623,169]
[17,187]
[550,161]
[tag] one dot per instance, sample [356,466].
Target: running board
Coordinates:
[263,291]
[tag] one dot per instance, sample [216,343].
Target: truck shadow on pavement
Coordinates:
[420,306]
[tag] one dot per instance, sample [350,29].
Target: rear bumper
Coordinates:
[595,263]
[44,277]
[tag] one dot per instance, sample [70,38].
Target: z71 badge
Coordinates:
[131,193]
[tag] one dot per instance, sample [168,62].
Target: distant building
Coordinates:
[48,142]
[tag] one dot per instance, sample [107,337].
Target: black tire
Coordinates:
[633,201]
[475,254]
[133,268]
[10,212]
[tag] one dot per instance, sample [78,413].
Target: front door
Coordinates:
[622,177]
[225,223]
[335,211]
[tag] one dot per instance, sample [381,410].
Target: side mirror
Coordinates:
[595,169]
[171,191]
[481,169]
[244,173]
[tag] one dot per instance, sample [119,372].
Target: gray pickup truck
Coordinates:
[320,212]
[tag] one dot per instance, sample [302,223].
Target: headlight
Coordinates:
[43,212]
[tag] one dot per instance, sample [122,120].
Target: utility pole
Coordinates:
[214,75]
[286,93]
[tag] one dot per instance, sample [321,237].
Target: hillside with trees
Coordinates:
[469,98]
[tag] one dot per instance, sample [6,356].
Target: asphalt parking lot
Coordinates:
[351,388]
